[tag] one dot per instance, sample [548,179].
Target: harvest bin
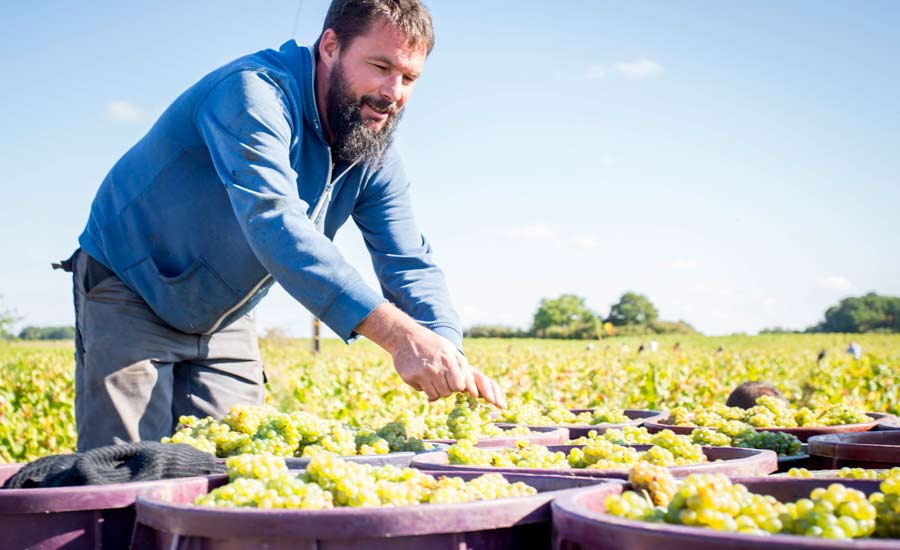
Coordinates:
[863,450]
[730,461]
[580,524]
[542,435]
[522,522]
[637,417]
[76,518]
[803,434]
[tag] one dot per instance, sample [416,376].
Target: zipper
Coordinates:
[318,212]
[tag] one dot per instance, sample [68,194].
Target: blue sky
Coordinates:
[735,161]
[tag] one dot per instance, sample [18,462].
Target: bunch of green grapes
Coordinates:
[657,481]
[710,437]
[887,506]
[633,505]
[783,443]
[842,414]
[534,413]
[602,454]
[469,419]
[682,449]
[847,473]
[263,466]
[626,435]
[249,429]
[523,455]
[713,501]
[837,512]
[769,412]
[330,481]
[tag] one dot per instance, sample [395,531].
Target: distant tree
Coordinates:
[8,318]
[869,313]
[48,333]
[778,330]
[495,331]
[633,309]
[565,317]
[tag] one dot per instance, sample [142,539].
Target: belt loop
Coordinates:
[66,265]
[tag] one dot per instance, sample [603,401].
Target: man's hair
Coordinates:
[351,18]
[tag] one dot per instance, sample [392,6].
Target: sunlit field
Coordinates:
[357,383]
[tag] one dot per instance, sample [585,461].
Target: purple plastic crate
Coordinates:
[81,518]
[637,416]
[579,523]
[522,522]
[803,434]
[880,449]
[727,460]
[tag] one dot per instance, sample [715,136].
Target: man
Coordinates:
[244,181]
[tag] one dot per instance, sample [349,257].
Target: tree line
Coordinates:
[569,317]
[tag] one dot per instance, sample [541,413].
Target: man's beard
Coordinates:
[352,138]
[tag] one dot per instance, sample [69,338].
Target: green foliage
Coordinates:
[869,313]
[47,333]
[633,309]
[7,318]
[495,331]
[778,330]
[565,317]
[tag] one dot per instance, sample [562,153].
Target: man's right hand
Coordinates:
[424,360]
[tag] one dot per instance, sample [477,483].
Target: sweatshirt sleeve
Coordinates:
[246,124]
[401,255]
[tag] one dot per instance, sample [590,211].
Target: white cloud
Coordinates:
[584,242]
[641,68]
[836,283]
[124,111]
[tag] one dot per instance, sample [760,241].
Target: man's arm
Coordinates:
[421,335]
[245,122]
[426,361]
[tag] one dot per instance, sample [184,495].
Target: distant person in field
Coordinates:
[821,356]
[241,183]
[855,350]
[745,395]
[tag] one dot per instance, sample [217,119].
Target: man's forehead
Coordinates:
[384,40]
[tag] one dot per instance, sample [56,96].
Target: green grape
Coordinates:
[709,437]
[330,481]
[783,443]
[887,506]
[658,481]
[833,512]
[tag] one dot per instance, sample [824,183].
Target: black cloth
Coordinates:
[95,272]
[141,461]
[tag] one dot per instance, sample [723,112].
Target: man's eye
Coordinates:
[381,68]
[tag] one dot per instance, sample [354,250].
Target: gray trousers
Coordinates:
[135,375]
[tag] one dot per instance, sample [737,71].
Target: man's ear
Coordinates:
[329,47]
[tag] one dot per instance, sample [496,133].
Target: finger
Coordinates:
[469,373]
[499,394]
[429,390]
[440,385]
[484,386]
[471,387]
[456,376]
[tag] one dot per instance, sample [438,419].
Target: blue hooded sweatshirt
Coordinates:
[223,196]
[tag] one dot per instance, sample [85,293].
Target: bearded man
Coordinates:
[244,181]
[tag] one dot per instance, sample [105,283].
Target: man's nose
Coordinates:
[392,90]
